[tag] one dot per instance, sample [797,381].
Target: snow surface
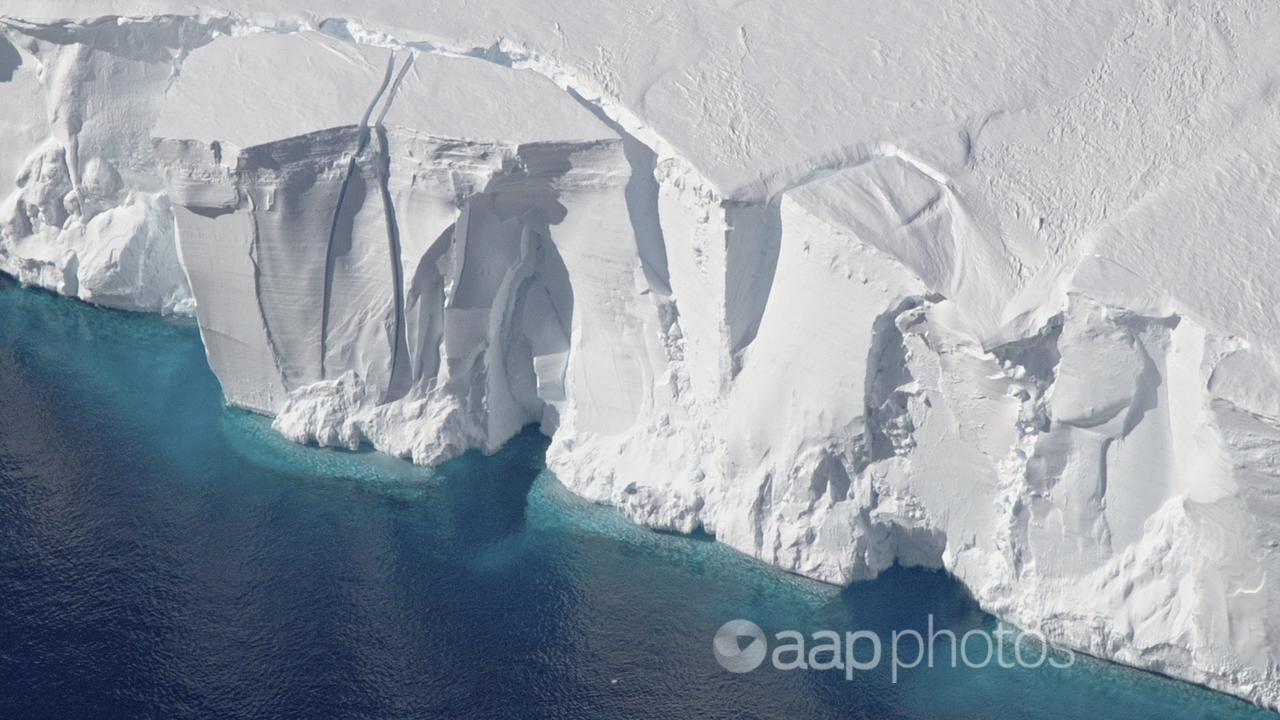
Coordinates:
[982,286]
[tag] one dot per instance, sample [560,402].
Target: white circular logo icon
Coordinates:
[739,646]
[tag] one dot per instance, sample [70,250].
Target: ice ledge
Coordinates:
[870,359]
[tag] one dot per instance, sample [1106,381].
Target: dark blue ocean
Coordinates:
[162,556]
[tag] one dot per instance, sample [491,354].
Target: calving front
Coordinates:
[872,354]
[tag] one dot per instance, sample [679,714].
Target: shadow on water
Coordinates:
[901,598]
[163,556]
[487,495]
[699,534]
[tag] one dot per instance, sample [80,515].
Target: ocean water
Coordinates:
[162,556]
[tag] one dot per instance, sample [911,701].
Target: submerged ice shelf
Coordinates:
[1011,314]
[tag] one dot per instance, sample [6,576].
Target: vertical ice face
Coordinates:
[966,309]
[441,240]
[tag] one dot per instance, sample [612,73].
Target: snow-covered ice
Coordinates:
[983,286]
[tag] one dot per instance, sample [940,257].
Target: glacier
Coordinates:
[982,287]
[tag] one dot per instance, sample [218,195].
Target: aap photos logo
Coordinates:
[740,646]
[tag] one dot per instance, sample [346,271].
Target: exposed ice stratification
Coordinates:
[998,297]
[410,261]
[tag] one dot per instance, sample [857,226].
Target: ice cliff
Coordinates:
[988,287]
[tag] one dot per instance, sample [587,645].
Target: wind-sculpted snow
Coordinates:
[984,289]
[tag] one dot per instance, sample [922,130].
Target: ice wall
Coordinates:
[431,255]
[1023,340]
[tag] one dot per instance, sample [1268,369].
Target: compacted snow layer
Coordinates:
[987,288]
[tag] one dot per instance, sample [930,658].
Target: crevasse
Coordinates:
[847,363]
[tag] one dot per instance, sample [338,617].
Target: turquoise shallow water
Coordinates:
[162,556]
